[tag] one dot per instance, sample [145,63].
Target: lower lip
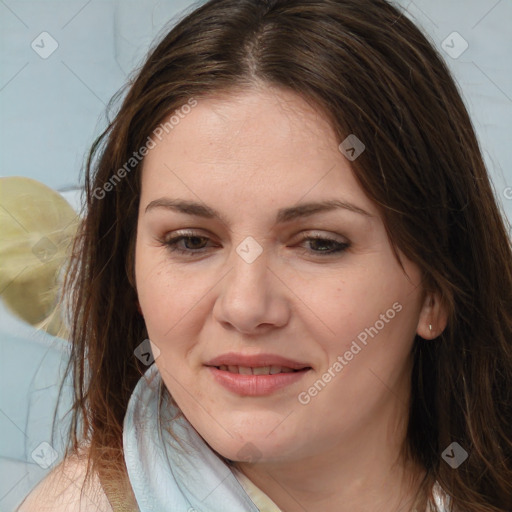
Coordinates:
[255,385]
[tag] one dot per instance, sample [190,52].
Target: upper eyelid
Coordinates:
[198,232]
[186,234]
[177,237]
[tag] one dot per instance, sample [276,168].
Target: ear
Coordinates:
[433,317]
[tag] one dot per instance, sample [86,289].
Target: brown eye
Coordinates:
[325,246]
[188,244]
[192,242]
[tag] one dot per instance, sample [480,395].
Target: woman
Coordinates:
[291,204]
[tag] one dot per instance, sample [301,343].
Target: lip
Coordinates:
[255,360]
[255,385]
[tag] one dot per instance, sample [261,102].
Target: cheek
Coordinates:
[362,301]
[377,350]
[373,320]
[168,297]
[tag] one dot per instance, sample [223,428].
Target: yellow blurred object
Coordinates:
[37,227]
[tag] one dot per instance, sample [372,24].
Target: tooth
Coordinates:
[275,369]
[233,369]
[261,370]
[286,370]
[244,370]
[223,367]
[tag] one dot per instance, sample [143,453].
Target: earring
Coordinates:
[430,328]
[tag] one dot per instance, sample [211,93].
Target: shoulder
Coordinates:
[63,490]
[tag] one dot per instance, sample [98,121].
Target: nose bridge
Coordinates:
[250,272]
[249,295]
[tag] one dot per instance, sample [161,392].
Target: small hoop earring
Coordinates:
[430,328]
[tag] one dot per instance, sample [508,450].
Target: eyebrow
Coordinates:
[283,215]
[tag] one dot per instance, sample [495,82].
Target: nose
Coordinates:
[252,299]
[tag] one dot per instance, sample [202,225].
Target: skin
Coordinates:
[247,155]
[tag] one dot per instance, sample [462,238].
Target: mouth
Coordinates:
[242,363]
[259,370]
[258,375]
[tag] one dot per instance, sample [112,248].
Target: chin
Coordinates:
[254,446]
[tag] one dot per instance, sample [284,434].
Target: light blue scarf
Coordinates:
[167,476]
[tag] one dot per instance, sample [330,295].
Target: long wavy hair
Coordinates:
[372,72]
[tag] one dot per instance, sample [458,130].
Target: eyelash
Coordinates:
[172,244]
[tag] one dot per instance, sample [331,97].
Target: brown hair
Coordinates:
[373,74]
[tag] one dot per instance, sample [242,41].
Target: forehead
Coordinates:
[261,145]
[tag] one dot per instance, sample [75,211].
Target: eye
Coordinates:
[324,245]
[186,243]
[190,243]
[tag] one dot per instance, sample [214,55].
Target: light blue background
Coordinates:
[52,109]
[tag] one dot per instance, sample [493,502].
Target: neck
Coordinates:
[327,491]
[366,470]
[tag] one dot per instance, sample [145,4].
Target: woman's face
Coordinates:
[268,283]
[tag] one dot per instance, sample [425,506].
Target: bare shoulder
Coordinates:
[63,490]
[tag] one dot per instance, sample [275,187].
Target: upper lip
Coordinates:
[255,361]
